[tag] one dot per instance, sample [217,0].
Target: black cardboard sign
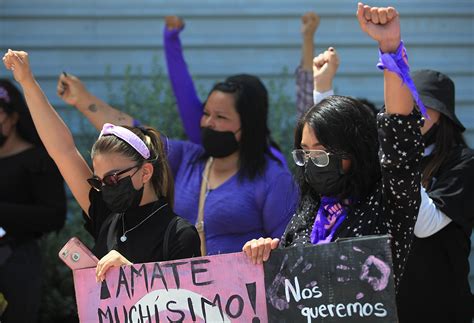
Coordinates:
[349,280]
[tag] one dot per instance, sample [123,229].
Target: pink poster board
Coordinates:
[223,288]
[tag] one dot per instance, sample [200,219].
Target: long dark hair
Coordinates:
[344,126]
[252,109]
[162,178]
[262,93]
[448,135]
[13,102]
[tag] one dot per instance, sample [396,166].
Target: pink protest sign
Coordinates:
[224,288]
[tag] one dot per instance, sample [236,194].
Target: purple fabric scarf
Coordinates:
[398,63]
[327,221]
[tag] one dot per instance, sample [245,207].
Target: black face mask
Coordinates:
[123,196]
[218,143]
[327,181]
[3,138]
[430,136]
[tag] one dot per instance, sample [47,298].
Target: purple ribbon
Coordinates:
[320,234]
[4,94]
[398,63]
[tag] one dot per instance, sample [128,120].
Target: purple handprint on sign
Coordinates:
[377,283]
[373,270]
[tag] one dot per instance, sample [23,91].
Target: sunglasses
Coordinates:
[110,180]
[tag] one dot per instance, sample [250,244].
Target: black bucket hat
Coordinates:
[436,91]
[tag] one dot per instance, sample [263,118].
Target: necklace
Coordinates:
[123,238]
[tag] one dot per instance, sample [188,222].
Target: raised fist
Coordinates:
[173,22]
[309,24]
[382,24]
[18,63]
[70,89]
[325,66]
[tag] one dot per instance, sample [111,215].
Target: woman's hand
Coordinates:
[18,63]
[70,89]
[174,22]
[112,259]
[382,24]
[259,250]
[325,66]
[309,24]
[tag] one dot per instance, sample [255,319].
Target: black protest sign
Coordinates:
[346,281]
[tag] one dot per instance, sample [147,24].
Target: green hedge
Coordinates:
[150,100]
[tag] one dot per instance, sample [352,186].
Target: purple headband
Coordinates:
[4,94]
[127,136]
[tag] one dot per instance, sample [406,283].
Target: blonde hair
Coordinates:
[162,178]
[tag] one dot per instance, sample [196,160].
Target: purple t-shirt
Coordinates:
[189,105]
[237,210]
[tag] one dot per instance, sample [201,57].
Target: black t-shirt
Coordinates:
[32,195]
[435,286]
[145,242]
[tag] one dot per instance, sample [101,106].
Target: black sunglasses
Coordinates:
[111,179]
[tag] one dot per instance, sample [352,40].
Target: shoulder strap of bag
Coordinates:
[202,199]
[166,238]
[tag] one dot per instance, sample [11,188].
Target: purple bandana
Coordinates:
[327,220]
[398,63]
